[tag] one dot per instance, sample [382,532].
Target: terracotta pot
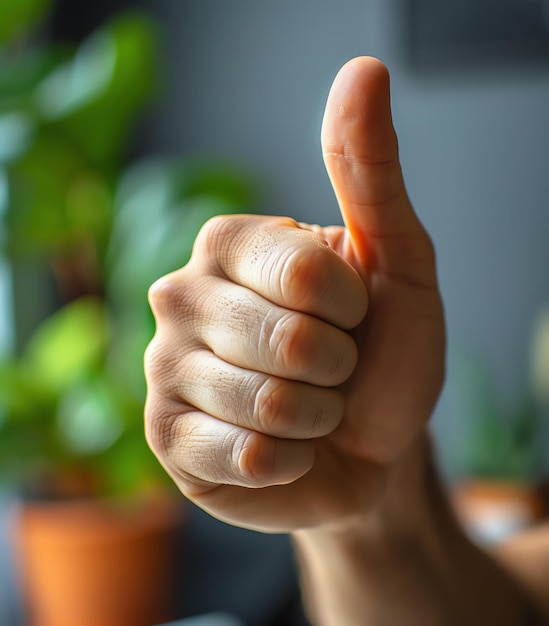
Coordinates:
[492,510]
[98,563]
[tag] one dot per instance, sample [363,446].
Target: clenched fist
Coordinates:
[295,366]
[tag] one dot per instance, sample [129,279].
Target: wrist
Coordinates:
[407,493]
[357,568]
[405,561]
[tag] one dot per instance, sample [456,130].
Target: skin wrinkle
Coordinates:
[303,272]
[166,436]
[410,279]
[264,250]
[377,205]
[208,462]
[159,418]
[249,268]
[198,367]
[249,388]
[264,404]
[372,206]
[275,274]
[184,372]
[312,281]
[292,286]
[244,315]
[250,455]
[316,420]
[240,314]
[418,251]
[159,362]
[236,395]
[190,486]
[385,280]
[295,347]
[282,343]
[236,442]
[181,306]
[339,360]
[356,159]
[293,246]
[290,338]
[229,235]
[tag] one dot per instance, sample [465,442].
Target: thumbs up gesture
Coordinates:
[295,366]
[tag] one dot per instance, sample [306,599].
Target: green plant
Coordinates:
[71,398]
[504,441]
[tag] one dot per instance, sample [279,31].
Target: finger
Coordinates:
[197,447]
[361,155]
[287,264]
[248,331]
[267,404]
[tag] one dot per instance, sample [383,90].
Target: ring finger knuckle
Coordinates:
[288,345]
[273,409]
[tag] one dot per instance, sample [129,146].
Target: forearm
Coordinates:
[407,563]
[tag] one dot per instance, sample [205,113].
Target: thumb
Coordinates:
[360,151]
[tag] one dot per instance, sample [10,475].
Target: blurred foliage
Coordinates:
[71,400]
[18,18]
[502,440]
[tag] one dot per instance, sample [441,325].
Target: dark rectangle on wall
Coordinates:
[463,34]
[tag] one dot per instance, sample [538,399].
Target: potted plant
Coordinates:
[72,390]
[502,471]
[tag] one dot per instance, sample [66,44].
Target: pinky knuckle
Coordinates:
[238,444]
[250,457]
[160,427]
[160,361]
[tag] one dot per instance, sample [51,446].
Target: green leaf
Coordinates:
[20,74]
[130,466]
[16,134]
[97,96]
[23,397]
[19,17]
[216,181]
[159,209]
[89,419]
[80,80]
[40,184]
[69,344]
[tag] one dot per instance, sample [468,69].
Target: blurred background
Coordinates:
[221,111]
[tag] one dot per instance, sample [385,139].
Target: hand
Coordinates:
[295,366]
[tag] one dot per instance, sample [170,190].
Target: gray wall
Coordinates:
[248,81]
